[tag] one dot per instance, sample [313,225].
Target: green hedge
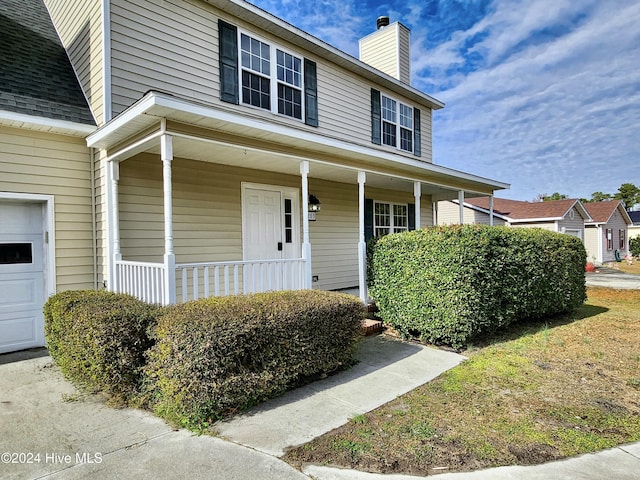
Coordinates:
[634,246]
[218,355]
[449,284]
[99,339]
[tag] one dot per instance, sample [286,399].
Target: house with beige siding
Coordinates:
[217,150]
[607,233]
[47,235]
[563,216]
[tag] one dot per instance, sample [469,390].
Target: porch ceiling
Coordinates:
[219,136]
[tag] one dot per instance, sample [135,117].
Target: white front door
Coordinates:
[270,222]
[22,276]
[263,224]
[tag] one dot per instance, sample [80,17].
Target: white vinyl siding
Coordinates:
[175,50]
[79,24]
[449,214]
[46,164]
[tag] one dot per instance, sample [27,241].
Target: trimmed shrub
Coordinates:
[371,247]
[634,246]
[99,339]
[449,284]
[218,355]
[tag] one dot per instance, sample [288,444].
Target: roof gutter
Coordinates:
[33,122]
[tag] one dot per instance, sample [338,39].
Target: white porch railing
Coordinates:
[206,279]
[146,281]
[141,279]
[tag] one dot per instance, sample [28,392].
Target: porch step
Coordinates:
[371,327]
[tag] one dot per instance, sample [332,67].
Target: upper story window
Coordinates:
[394,123]
[397,124]
[262,79]
[258,73]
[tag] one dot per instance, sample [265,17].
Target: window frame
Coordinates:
[608,236]
[392,227]
[622,239]
[398,123]
[274,81]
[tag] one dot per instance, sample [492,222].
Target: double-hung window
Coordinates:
[397,124]
[622,240]
[258,73]
[390,218]
[609,238]
[289,84]
[268,73]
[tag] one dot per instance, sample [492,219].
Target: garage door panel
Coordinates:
[19,293]
[17,218]
[22,276]
[18,332]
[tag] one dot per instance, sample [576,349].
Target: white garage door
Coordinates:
[21,276]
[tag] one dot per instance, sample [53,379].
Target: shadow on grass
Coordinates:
[529,327]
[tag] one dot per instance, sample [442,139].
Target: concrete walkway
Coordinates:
[388,368]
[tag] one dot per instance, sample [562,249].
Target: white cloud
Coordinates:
[554,116]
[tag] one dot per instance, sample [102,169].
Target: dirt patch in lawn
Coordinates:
[540,392]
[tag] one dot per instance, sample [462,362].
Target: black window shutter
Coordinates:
[417,136]
[310,93]
[368,219]
[411,213]
[228,40]
[376,117]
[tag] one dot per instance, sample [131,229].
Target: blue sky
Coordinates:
[542,94]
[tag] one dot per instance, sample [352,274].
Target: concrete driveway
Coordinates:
[612,278]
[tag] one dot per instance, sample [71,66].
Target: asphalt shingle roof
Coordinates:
[519,210]
[600,212]
[36,77]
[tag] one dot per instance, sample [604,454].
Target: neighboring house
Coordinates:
[213,133]
[634,228]
[606,235]
[563,216]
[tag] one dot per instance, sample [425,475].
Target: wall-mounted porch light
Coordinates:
[314,203]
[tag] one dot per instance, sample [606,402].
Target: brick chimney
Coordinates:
[387,49]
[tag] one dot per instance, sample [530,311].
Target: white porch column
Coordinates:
[166,154]
[417,193]
[461,203]
[362,246]
[491,210]
[435,211]
[115,218]
[306,244]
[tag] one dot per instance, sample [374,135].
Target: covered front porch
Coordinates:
[201,202]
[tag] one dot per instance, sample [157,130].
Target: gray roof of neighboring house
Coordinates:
[36,77]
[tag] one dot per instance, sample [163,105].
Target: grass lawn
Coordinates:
[634,268]
[538,393]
